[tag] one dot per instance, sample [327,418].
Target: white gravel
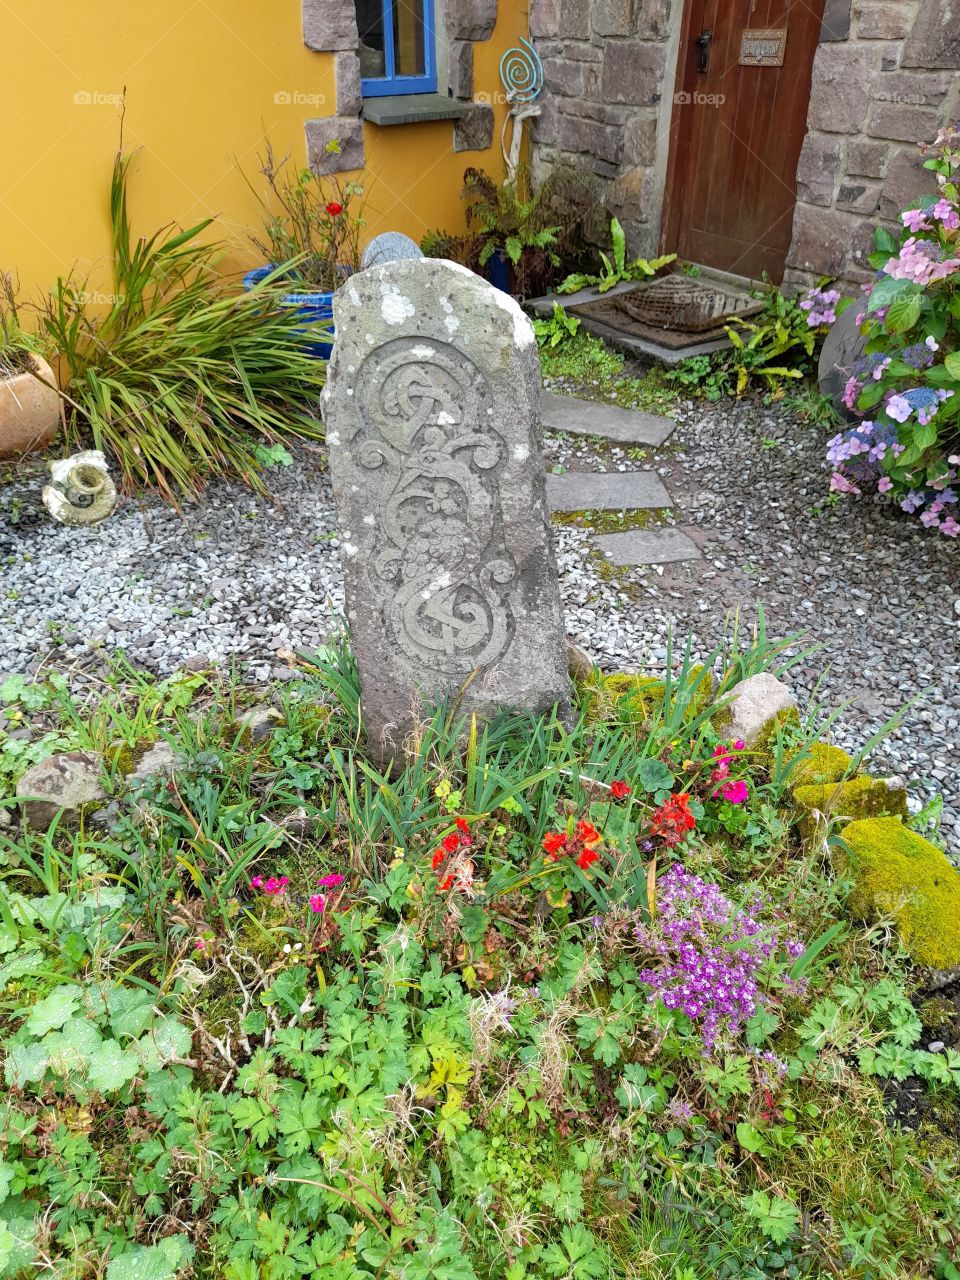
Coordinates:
[238,579]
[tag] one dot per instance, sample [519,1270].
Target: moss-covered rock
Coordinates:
[862,797]
[899,874]
[632,698]
[818,764]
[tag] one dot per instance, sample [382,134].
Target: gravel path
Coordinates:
[239,579]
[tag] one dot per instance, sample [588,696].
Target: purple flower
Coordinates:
[712,955]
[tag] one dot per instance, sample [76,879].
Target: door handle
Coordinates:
[703,51]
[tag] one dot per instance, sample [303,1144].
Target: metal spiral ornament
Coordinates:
[521,73]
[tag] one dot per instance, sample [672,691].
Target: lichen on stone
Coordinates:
[897,873]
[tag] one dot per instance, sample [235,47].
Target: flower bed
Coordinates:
[539,1004]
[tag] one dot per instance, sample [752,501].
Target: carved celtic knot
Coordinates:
[426,434]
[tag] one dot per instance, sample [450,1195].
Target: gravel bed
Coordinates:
[239,579]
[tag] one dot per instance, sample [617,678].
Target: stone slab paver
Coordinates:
[606,491]
[647,546]
[592,418]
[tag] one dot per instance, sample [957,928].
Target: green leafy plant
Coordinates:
[616,270]
[759,345]
[180,379]
[509,219]
[557,330]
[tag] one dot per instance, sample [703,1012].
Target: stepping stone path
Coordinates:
[617,490]
[591,418]
[607,491]
[648,546]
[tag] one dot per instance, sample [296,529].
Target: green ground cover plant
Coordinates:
[541,1003]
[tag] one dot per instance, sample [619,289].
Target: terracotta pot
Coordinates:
[29,411]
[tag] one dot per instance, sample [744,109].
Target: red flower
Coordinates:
[554,842]
[587,833]
[619,790]
[462,825]
[334,209]
[450,843]
[673,819]
[587,858]
[446,883]
[438,859]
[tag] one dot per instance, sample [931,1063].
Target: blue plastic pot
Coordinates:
[501,276]
[316,307]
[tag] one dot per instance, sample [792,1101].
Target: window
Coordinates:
[397,49]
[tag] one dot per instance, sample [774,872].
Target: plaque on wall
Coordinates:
[762,46]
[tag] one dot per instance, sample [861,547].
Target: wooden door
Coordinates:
[738,123]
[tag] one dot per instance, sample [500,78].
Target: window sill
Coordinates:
[412,108]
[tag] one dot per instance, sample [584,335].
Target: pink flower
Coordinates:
[915,219]
[330,882]
[884,484]
[739,745]
[850,393]
[840,484]
[317,903]
[946,214]
[256,882]
[736,792]
[274,887]
[950,527]
[200,945]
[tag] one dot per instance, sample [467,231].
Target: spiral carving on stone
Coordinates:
[428,442]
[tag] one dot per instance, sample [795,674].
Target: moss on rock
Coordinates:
[900,874]
[862,797]
[818,764]
[633,697]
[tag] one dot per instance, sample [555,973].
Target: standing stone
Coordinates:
[432,408]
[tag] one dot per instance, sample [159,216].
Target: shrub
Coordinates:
[180,380]
[311,224]
[905,386]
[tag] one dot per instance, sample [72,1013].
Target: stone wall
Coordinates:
[884,79]
[606,63]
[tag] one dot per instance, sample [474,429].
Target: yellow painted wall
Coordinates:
[201,78]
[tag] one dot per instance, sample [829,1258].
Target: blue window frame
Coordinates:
[397,47]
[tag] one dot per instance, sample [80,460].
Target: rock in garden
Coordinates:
[392,246]
[756,704]
[842,348]
[899,874]
[579,663]
[64,782]
[258,723]
[157,761]
[432,406]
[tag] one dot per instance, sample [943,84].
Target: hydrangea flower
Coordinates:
[921,261]
[819,305]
